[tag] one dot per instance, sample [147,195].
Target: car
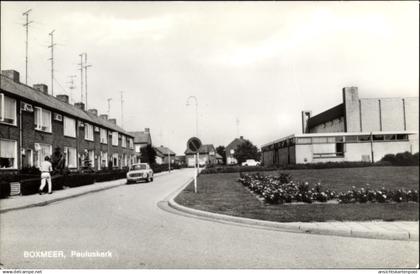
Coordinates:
[251,162]
[139,172]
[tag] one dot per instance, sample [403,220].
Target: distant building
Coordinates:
[34,124]
[207,156]
[141,139]
[359,129]
[231,149]
[164,155]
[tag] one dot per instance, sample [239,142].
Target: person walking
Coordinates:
[46,168]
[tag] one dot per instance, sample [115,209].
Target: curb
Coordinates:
[290,227]
[44,203]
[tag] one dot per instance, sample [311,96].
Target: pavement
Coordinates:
[137,228]
[28,201]
[397,230]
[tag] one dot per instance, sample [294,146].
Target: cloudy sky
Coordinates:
[260,63]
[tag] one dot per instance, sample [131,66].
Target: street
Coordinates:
[128,223]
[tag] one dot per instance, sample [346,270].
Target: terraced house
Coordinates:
[359,129]
[34,124]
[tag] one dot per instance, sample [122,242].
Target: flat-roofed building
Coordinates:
[359,129]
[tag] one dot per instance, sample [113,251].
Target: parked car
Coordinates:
[139,172]
[251,162]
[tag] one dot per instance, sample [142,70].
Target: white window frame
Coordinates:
[88,132]
[40,159]
[104,155]
[91,155]
[103,137]
[131,143]
[115,138]
[65,125]
[123,141]
[2,96]
[115,156]
[66,151]
[16,155]
[38,126]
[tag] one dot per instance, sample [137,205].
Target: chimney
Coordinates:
[104,116]
[241,137]
[147,129]
[113,120]
[80,105]
[305,117]
[352,119]
[12,74]
[42,88]
[63,98]
[93,111]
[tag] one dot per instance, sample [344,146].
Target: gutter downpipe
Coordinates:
[371,147]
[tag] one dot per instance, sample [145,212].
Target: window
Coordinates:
[131,143]
[378,137]
[104,136]
[339,149]
[390,137]
[71,157]
[303,140]
[115,138]
[104,159]
[319,140]
[402,137]
[125,160]
[88,132]
[41,150]
[115,160]
[27,158]
[351,139]
[124,141]
[42,119]
[69,127]
[8,154]
[363,138]
[7,110]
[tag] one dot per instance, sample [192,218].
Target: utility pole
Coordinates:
[109,106]
[72,87]
[52,61]
[122,110]
[81,77]
[86,81]
[26,25]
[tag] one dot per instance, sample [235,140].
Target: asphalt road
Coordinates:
[127,222]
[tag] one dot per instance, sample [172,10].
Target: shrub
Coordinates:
[402,159]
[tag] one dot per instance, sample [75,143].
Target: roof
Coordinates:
[218,156]
[328,115]
[234,144]
[164,151]
[204,149]
[141,137]
[38,98]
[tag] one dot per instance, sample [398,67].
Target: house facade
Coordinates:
[164,155]
[141,139]
[207,155]
[359,129]
[230,150]
[34,124]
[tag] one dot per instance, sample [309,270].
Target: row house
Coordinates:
[34,124]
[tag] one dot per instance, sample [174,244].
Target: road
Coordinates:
[127,222]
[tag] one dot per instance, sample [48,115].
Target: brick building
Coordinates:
[207,155]
[230,150]
[142,139]
[164,155]
[33,124]
[359,129]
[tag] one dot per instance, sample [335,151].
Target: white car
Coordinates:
[251,162]
[139,172]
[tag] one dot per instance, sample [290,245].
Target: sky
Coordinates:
[259,63]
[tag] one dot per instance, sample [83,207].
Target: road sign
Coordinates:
[194,144]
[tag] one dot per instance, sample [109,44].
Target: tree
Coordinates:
[246,151]
[148,154]
[221,150]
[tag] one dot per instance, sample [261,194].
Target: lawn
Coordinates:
[221,193]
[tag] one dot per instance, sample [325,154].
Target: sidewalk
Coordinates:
[398,230]
[27,201]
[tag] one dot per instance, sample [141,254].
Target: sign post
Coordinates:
[194,144]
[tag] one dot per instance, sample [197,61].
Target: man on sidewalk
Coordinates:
[46,168]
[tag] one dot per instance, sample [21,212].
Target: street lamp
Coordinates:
[196,112]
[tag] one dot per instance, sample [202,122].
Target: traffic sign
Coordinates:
[194,144]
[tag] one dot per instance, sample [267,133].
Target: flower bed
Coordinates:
[282,189]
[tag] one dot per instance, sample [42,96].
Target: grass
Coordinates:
[221,193]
